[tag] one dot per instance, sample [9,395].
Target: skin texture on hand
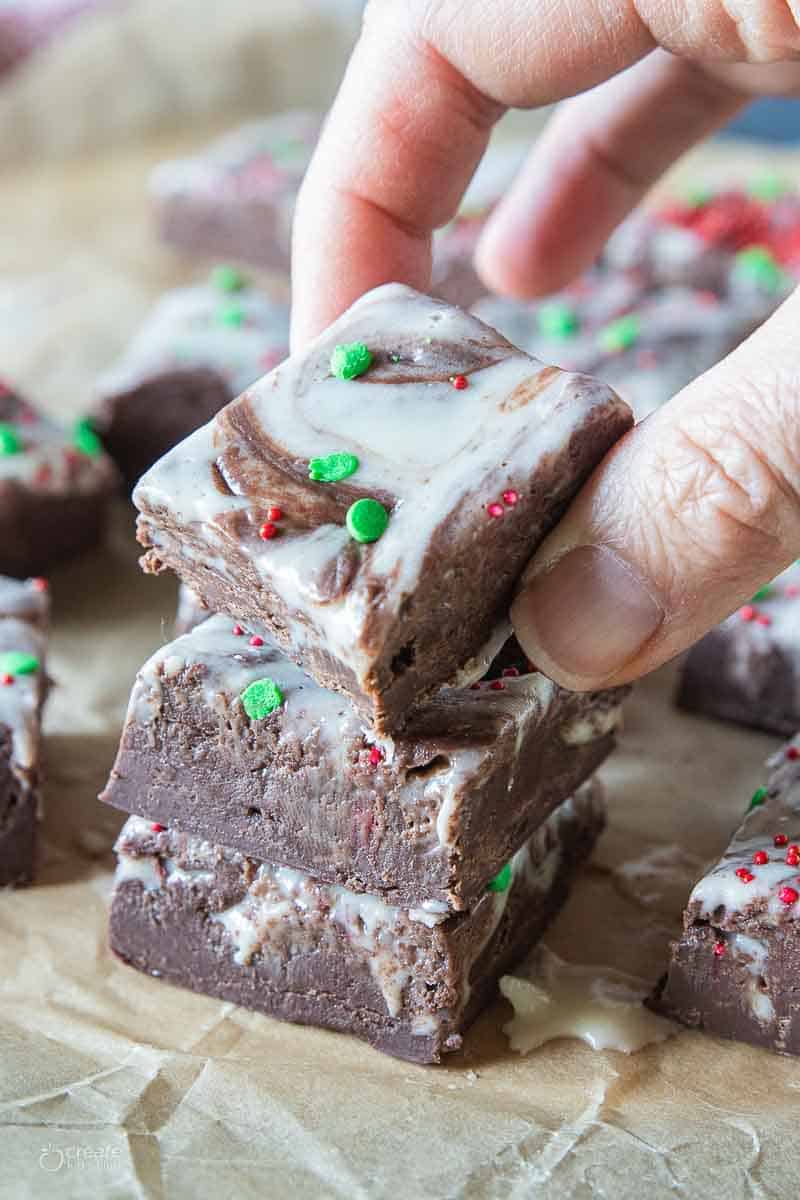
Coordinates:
[698,506]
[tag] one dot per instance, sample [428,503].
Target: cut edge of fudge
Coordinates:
[747,669]
[409,982]
[733,970]
[55,489]
[390,620]
[227,739]
[24,617]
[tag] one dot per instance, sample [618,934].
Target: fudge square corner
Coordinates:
[374,499]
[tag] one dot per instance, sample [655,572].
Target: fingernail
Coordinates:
[586,617]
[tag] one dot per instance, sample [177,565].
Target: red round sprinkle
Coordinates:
[268,531]
[274,514]
[788,895]
[747,613]
[375,756]
[497,685]
[459,382]
[745,875]
[474,687]
[156,828]
[719,949]
[760,858]
[792,753]
[511,672]
[255,640]
[6,679]
[40,585]
[237,631]
[510,497]
[780,839]
[494,509]
[792,858]
[793,849]
[763,619]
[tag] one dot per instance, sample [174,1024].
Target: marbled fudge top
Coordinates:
[35,453]
[232,328]
[757,880]
[448,424]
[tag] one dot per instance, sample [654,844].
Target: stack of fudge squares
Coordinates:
[353,802]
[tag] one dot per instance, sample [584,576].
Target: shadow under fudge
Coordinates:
[278,941]
[429,816]
[473,478]
[733,972]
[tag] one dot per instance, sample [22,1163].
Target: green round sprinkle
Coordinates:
[260,698]
[620,334]
[288,151]
[769,186]
[231,314]
[758,264]
[759,796]
[557,320]
[333,467]
[9,440]
[16,662]
[351,360]
[85,439]
[228,279]
[762,593]
[501,881]
[366,520]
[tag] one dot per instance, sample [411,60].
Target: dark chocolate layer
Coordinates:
[432,814]
[407,982]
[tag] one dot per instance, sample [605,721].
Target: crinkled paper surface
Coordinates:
[115,1085]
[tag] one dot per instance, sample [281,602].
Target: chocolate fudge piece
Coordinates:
[378,524]
[434,813]
[24,615]
[740,246]
[408,981]
[646,345]
[54,489]
[747,669]
[733,972]
[198,349]
[235,199]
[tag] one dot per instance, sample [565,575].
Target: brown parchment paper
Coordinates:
[115,1085]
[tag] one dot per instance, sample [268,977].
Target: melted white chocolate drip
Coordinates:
[599,1005]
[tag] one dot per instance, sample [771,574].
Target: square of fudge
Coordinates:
[199,347]
[747,669]
[228,739]
[733,971]
[407,980]
[374,500]
[55,489]
[646,345]
[235,198]
[24,617]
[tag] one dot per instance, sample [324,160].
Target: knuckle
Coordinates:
[724,489]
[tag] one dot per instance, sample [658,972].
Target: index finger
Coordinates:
[425,84]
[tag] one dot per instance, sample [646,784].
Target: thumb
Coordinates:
[693,511]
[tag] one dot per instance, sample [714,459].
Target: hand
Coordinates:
[699,505]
